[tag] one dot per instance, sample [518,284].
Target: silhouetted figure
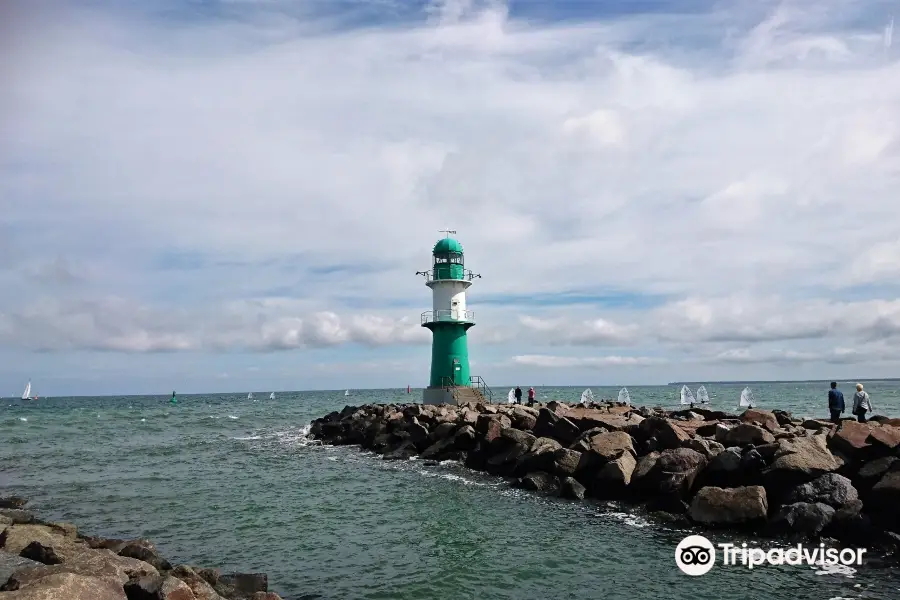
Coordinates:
[518,395]
[835,403]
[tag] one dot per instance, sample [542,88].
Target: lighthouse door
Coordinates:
[454,309]
[455,374]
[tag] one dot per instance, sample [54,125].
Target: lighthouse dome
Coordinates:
[447,246]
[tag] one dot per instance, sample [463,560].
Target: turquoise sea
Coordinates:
[220,480]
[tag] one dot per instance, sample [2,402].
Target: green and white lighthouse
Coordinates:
[449,320]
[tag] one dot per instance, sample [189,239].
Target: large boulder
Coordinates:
[12,502]
[523,418]
[764,418]
[540,457]
[16,538]
[93,563]
[734,506]
[746,434]
[707,448]
[145,550]
[832,489]
[798,460]
[69,586]
[667,433]
[851,438]
[610,445]
[672,474]
[885,438]
[615,475]
[244,585]
[565,462]
[539,482]
[572,489]
[201,588]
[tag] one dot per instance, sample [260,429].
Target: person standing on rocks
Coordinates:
[835,402]
[530,396]
[861,403]
[518,395]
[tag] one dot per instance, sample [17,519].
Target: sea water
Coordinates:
[219,481]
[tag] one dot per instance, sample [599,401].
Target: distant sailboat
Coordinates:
[511,396]
[272,396]
[250,396]
[702,395]
[687,396]
[26,395]
[587,396]
[747,398]
[624,396]
[346,392]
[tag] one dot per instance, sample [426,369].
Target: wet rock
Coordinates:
[672,475]
[439,448]
[538,482]
[734,506]
[884,438]
[12,502]
[802,517]
[722,430]
[404,451]
[817,425]
[572,489]
[583,442]
[746,434]
[465,438]
[94,563]
[68,586]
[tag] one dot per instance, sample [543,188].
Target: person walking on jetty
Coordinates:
[861,403]
[530,396]
[518,395]
[835,402]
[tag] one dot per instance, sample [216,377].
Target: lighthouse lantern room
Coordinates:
[449,320]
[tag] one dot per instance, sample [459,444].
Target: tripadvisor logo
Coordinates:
[695,555]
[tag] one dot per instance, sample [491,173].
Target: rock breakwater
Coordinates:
[762,471]
[41,560]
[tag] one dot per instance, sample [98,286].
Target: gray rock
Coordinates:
[747,434]
[538,482]
[570,488]
[803,517]
[69,586]
[707,448]
[10,563]
[831,489]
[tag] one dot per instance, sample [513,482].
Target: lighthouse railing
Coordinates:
[449,316]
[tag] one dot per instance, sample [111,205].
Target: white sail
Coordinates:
[346,392]
[747,397]
[250,396]
[27,393]
[511,396]
[272,396]
[687,396]
[624,396]
[702,395]
[587,396]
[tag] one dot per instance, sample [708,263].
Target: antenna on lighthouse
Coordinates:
[449,232]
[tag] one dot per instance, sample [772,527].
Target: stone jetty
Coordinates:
[762,471]
[40,560]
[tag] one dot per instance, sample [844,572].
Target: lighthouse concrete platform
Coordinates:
[461,394]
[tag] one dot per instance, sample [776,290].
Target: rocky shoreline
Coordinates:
[762,471]
[41,560]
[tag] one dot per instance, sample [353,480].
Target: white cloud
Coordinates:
[741,165]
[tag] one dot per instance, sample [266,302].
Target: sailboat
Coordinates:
[702,395]
[624,396]
[511,396]
[346,392]
[26,395]
[587,396]
[272,396]
[250,396]
[747,397]
[687,396]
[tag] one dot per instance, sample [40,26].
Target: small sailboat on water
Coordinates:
[511,396]
[346,392]
[747,399]
[587,396]
[702,395]
[26,395]
[687,396]
[250,396]
[624,396]
[272,396]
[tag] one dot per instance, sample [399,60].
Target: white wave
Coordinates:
[23,419]
[627,518]
[248,438]
[844,570]
[143,420]
[232,417]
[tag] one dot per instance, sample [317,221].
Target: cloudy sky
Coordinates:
[236,194]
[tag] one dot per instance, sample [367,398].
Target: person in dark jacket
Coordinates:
[518,395]
[835,402]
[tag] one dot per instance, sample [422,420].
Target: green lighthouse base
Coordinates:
[454,394]
[438,395]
